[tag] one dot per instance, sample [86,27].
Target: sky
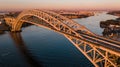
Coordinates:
[60,4]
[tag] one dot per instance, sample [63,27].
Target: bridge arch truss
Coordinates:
[97,54]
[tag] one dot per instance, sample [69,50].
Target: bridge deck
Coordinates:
[101,41]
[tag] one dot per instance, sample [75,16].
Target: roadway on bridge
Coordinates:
[101,41]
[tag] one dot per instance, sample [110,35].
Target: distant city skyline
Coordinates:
[60,4]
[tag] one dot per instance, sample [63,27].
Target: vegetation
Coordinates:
[116,13]
[106,24]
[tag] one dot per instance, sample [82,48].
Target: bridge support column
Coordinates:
[12,30]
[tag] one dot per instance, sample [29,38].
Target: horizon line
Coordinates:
[63,9]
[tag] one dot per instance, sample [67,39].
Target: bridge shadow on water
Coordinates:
[19,43]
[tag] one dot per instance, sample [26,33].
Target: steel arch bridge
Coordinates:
[102,52]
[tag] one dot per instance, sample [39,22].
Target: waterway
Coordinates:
[39,47]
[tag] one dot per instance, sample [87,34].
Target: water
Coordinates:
[39,47]
[93,22]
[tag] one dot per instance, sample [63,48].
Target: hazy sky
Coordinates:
[60,4]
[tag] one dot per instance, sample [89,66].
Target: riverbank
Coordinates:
[115,13]
[4,27]
[110,23]
[74,16]
[111,29]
